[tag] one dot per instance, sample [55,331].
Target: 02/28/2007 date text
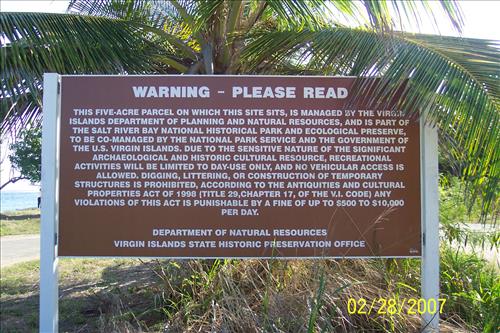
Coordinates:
[393,306]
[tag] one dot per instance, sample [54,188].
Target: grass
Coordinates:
[472,288]
[20,222]
[111,295]
[95,295]
[470,285]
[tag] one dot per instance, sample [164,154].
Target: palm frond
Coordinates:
[396,14]
[299,14]
[153,13]
[453,80]
[34,43]
[23,113]
[478,57]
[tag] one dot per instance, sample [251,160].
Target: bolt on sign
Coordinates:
[234,166]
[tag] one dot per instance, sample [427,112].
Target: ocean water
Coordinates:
[10,201]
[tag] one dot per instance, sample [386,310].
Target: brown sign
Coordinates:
[234,166]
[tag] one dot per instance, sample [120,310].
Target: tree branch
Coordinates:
[12,181]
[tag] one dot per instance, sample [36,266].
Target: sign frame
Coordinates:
[49,261]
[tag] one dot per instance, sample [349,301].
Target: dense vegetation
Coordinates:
[251,296]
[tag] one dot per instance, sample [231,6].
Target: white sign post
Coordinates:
[49,293]
[430,224]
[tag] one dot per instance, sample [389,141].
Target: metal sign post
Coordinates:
[49,284]
[430,225]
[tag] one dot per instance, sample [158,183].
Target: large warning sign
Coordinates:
[234,166]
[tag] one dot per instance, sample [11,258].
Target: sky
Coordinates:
[481,21]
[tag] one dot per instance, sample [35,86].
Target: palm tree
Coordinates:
[454,79]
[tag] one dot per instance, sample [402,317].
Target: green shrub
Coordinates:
[472,288]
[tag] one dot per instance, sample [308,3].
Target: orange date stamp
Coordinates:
[395,306]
